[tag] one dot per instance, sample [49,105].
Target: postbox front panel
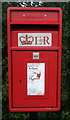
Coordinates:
[32,81]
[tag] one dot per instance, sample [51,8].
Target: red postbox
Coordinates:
[34,58]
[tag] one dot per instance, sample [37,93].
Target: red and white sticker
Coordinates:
[35,78]
[34,39]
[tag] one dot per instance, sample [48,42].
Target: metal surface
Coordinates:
[36,55]
[34,20]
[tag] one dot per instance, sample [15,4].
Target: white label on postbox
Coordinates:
[35,78]
[34,39]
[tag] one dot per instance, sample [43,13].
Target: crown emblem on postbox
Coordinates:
[34,39]
[26,40]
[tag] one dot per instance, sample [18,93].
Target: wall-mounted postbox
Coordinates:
[34,58]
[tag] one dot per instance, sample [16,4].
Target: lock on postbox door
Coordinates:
[34,58]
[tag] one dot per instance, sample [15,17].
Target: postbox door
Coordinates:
[25,92]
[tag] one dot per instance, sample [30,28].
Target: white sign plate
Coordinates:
[35,78]
[34,39]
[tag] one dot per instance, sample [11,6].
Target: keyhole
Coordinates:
[20,81]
